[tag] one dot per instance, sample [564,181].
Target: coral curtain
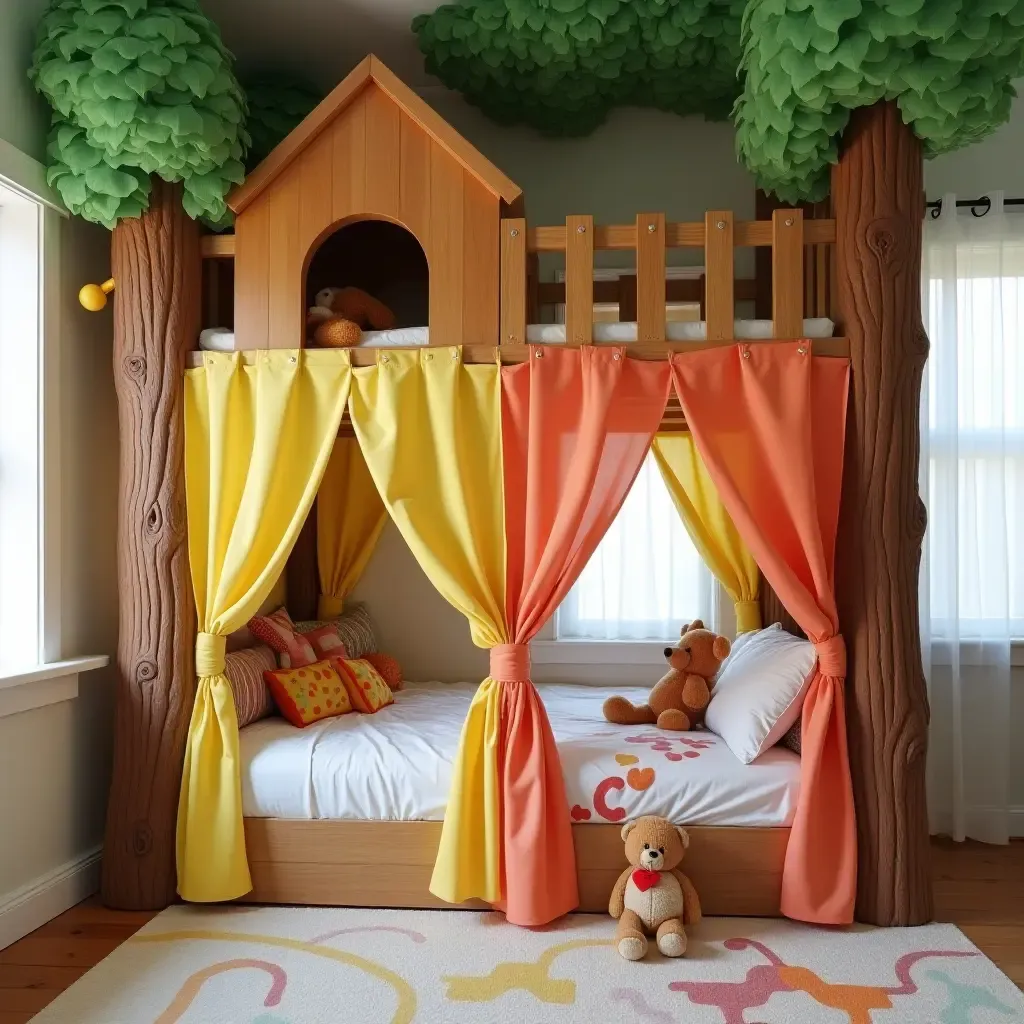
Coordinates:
[769,421]
[710,528]
[576,426]
[430,431]
[349,520]
[257,439]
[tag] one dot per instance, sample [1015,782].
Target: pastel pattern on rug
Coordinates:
[287,965]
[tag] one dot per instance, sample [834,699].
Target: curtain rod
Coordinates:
[982,202]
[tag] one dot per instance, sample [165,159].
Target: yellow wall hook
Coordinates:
[94,296]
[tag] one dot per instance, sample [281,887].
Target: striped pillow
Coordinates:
[355,630]
[278,632]
[244,670]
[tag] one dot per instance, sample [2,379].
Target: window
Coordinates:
[20,441]
[973,407]
[645,580]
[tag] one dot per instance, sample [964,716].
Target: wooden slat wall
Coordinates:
[252,264]
[447,263]
[481,265]
[383,152]
[650,277]
[579,279]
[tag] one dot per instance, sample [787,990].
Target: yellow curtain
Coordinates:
[709,525]
[257,439]
[349,519]
[430,431]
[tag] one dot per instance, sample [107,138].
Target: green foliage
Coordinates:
[138,87]
[561,65]
[276,106]
[949,64]
[795,68]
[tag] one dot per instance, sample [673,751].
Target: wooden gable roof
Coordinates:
[371,69]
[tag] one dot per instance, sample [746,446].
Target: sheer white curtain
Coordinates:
[972,479]
[645,580]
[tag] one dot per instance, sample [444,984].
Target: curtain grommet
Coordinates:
[455,354]
[617,356]
[384,358]
[802,350]
[539,354]
[745,352]
[428,356]
[293,359]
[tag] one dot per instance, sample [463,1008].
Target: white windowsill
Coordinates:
[652,652]
[41,685]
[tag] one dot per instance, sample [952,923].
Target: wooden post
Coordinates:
[579,280]
[513,282]
[719,301]
[650,277]
[878,200]
[156,264]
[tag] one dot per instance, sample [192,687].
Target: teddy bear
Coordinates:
[680,698]
[340,315]
[651,896]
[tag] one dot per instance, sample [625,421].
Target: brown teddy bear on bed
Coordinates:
[651,897]
[681,697]
[340,315]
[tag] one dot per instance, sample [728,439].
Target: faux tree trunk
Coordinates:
[156,265]
[878,199]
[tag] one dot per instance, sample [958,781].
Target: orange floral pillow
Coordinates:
[366,689]
[305,695]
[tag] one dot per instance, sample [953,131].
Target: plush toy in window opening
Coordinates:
[651,896]
[680,698]
[342,314]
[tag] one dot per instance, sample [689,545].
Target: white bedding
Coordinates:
[222,340]
[397,764]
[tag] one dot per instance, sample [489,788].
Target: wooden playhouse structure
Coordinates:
[373,150]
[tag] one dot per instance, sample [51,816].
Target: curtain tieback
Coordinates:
[510,663]
[832,656]
[329,606]
[748,616]
[210,652]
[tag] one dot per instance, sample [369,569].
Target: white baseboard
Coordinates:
[981,821]
[26,909]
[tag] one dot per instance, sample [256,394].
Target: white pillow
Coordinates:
[759,690]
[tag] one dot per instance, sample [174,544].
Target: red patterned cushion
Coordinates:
[388,667]
[244,670]
[305,695]
[367,691]
[326,642]
[278,632]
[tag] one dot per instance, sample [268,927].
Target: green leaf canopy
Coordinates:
[789,70]
[138,87]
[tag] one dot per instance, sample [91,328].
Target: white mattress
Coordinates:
[396,765]
[222,340]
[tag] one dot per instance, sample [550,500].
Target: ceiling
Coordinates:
[321,40]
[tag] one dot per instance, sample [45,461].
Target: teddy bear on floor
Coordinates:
[340,316]
[651,897]
[681,697]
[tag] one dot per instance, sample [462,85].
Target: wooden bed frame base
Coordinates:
[736,871]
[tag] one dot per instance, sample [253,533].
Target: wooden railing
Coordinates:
[794,292]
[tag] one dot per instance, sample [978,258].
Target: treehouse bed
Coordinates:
[502,454]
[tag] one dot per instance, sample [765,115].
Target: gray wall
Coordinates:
[55,760]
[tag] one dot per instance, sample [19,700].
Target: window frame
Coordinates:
[48,677]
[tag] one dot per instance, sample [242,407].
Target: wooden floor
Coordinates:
[979,888]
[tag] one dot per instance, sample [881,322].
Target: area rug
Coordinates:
[286,965]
